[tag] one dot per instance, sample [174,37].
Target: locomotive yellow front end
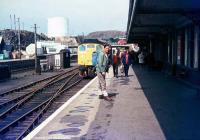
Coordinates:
[85,52]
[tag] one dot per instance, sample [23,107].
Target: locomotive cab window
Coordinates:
[82,48]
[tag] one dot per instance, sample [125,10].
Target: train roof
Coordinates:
[97,41]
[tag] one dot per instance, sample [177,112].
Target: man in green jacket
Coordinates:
[101,69]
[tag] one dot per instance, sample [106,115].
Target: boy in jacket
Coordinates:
[101,69]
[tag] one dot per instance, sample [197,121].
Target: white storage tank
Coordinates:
[57,27]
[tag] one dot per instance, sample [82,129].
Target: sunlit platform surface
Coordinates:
[148,106]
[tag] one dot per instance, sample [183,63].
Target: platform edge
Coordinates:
[50,118]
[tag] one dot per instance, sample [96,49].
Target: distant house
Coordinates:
[69,41]
[121,42]
[5,50]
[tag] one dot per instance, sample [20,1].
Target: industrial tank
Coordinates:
[57,27]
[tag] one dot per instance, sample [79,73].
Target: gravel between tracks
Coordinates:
[23,78]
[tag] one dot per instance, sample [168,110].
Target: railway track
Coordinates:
[29,85]
[21,109]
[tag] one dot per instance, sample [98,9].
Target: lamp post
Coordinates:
[37,65]
[19,44]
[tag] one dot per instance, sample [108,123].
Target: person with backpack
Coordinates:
[101,69]
[115,63]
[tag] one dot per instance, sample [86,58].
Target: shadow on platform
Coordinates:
[175,105]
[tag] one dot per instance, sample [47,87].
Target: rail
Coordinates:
[36,109]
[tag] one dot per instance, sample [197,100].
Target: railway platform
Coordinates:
[148,106]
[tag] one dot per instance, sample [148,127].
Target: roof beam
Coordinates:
[168,11]
[144,33]
[154,25]
[131,18]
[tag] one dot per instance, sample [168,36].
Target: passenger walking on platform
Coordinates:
[115,63]
[101,69]
[126,60]
[141,59]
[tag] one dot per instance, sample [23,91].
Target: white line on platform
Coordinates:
[50,118]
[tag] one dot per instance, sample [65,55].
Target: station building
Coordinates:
[170,30]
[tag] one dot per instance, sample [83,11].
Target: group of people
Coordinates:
[103,63]
[121,59]
[118,59]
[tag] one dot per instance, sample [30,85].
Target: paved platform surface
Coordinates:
[148,106]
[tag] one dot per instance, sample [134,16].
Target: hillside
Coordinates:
[11,37]
[106,34]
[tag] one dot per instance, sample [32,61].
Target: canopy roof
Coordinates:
[148,17]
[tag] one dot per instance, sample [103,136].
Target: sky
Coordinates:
[84,16]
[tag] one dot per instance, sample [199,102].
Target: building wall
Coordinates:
[183,51]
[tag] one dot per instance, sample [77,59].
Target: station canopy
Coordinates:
[149,17]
